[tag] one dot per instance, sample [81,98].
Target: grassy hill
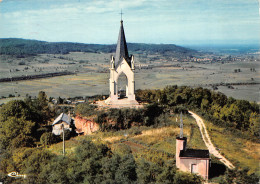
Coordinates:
[158,144]
[23,47]
[142,140]
[240,151]
[146,152]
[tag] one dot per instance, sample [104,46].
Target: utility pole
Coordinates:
[63,139]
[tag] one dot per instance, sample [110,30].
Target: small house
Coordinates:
[62,120]
[192,160]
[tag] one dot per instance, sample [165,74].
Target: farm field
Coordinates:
[92,74]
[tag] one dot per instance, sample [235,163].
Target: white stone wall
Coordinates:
[115,72]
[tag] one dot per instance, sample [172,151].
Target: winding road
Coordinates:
[208,142]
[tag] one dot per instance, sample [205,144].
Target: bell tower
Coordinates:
[180,143]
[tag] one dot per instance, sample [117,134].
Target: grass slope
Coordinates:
[240,151]
[157,144]
[142,141]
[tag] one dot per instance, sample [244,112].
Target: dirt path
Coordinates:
[208,142]
[134,147]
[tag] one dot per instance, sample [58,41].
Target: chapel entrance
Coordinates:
[122,86]
[194,168]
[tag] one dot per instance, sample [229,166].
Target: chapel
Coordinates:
[121,64]
[191,160]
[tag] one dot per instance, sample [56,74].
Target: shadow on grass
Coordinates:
[216,170]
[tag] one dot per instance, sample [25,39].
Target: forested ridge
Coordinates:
[23,47]
[240,115]
[23,127]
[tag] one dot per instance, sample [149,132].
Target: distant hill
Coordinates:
[24,47]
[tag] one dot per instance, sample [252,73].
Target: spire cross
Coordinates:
[121,14]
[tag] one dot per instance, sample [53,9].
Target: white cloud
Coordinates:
[143,19]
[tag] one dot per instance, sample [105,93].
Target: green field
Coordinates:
[92,75]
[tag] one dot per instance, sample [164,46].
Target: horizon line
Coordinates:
[187,43]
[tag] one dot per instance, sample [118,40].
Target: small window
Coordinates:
[193,168]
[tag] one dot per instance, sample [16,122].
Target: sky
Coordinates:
[181,22]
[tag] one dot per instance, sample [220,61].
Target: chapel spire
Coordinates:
[121,48]
[121,64]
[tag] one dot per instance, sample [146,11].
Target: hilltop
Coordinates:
[138,142]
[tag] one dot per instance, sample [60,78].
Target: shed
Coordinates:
[192,160]
[62,119]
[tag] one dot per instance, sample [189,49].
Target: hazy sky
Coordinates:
[145,21]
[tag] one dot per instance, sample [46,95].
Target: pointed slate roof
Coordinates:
[121,48]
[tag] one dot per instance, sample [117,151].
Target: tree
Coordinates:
[41,104]
[110,167]
[55,171]
[16,108]
[47,138]
[42,99]
[84,109]
[34,163]
[148,171]
[254,124]
[16,132]
[186,178]
[17,124]
[126,172]
[239,176]
[143,171]
[150,112]
[204,104]
[67,134]
[59,100]
[168,173]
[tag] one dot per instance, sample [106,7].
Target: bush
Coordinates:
[85,109]
[10,95]
[47,138]
[135,131]
[21,63]
[187,178]
[67,135]
[239,176]
[122,149]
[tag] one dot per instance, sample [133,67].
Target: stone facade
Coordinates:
[57,128]
[63,120]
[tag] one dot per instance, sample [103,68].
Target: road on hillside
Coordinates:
[208,142]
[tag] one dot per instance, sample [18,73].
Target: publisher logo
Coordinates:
[16,175]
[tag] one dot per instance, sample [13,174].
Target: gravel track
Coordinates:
[206,139]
